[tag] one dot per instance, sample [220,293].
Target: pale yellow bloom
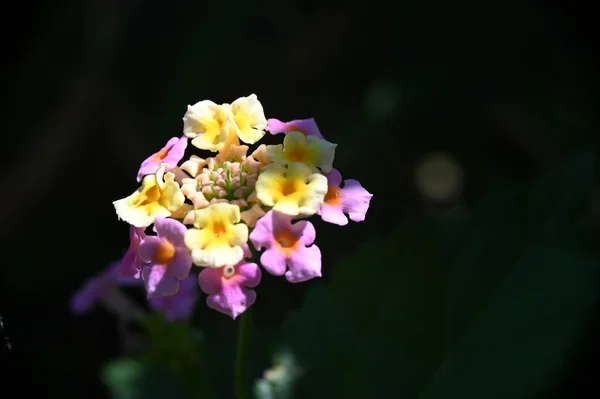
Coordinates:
[294,190]
[208,124]
[159,195]
[309,150]
[218,237]
[249,117]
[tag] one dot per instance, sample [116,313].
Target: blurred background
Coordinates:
[474,126]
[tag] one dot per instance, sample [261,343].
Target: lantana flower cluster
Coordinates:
[233,212]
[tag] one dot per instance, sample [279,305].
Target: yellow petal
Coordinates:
[249,118]
[208,124]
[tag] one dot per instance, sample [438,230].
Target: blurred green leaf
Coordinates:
[134,379]
[498,294]
[177,347]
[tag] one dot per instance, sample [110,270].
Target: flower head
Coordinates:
[155,198]
[353,199]
[208,124]
[181,305]
[218,237]
[294,190]
[288,247]
[228,287]
[166,258]
[307,127]
[131,264]
[169,155]
[249,118]
[311,151]
[231,182]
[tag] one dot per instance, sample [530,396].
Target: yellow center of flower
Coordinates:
[148,195]
[286,242]
[219,229]
[288,187]
[165,252]
[333,196]
[298,154]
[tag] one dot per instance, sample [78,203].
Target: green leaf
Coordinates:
[177,346]
[133,379]
[498,294]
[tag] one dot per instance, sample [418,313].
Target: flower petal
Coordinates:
[308,127]
[148,248]
[304,265]
[333,214]
[159,281]
[181,264]
[171,229]
[355,200]
[274,261]
[334,177]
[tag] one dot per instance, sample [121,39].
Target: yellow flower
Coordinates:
[208,124]
[294,190]
[249,118]
[156,197]
[309,150]
[218,237]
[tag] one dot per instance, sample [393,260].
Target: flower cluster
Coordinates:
[234,209]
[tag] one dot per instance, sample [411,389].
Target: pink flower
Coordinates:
[99,288]
[181,305]
[131,264]
[307,127]
[170,154]
[166,258]
[288,247]
[353,199]
[228,286]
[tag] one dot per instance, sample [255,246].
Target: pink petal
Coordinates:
[355,200]
[333,214]
[181,305]
[209,280]
[274,261]
[181,264]
[148,248]
[151,164]
[159,282]
[130,265]
[304,230]
[230,295]
[262,235]
[249,274]
[171,229]
[304,265]
[233,301]
[308,127]
[334,177]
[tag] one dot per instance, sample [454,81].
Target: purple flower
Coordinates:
[353,199]
[166,258]
[228,286]
[181,305]
[131,264]
[288,247]
[98,288]
[170,154]
[307,127]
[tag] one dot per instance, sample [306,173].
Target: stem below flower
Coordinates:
[241,370]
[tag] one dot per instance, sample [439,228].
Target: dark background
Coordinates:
[93,87]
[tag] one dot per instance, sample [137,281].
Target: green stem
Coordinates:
[241,362]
